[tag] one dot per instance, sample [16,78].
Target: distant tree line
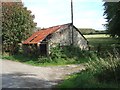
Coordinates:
[86,31]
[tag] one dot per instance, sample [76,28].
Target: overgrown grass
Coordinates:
[33,61]
[47,62]
[106,70]
[70,55]
[59,56]
[85,80]
[100,73]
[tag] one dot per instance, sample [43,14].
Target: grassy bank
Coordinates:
[59,56]
[85,80]
[36,61]
[101,72]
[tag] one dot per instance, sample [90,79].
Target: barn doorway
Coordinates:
[43,49]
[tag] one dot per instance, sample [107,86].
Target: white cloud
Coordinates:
[75,0]
[90,23]
[56,1]
[55,12]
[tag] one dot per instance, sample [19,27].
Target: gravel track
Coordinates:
[19,75]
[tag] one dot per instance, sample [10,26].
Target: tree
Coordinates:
[112,12]
[17,25]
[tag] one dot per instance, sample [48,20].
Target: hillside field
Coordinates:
[103,41]
[97,36]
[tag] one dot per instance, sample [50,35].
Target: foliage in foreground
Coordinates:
[69,54]
[100,73]
[106,70]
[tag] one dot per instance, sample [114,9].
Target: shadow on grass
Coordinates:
[19,57]
[86,80]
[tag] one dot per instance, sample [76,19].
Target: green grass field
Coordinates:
[103,41]
[97,36]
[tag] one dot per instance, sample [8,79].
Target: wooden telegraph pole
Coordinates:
[72,43]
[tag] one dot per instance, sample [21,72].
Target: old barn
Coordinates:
[41,41]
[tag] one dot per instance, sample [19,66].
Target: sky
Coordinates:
[87,13]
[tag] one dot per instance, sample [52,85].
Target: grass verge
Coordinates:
[59,56]
[100,73]
[48,62]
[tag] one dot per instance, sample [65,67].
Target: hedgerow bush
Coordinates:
[43,59]
[68,54]
[57,53]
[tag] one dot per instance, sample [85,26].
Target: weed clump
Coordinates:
[106,69]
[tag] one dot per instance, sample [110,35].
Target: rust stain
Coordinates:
[42,34]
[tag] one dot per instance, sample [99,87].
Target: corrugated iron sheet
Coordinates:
[42,34]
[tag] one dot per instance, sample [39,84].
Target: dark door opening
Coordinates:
[43,49]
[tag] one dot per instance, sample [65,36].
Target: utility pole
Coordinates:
[72,43]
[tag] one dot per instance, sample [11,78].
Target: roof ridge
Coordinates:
[41,34]
[55,26]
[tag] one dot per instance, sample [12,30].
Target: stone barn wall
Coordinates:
[63,37]
[79,40]
[60,37]
[30,50]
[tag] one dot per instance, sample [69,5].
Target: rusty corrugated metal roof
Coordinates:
[42,34]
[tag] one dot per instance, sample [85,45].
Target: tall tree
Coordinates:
[17,25]
[112,12]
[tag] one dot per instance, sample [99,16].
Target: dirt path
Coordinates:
[19,75]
